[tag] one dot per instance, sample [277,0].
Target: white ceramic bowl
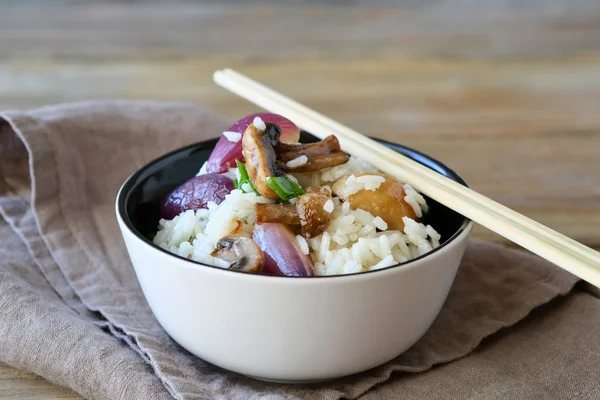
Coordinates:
[283,328]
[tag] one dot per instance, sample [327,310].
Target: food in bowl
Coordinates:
[264,203]
[204,308]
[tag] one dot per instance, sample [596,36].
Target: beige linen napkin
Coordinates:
[71,309]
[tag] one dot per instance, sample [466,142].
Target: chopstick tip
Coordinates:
[217,74]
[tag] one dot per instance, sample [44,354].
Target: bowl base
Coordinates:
[292,382]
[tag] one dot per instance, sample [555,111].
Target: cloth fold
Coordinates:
[72,311]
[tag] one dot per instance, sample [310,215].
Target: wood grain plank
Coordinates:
[17,385]
[534,149]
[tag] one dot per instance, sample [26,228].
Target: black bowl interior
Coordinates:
[141,194]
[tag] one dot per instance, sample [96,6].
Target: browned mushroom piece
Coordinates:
[241,252]
[320,161]
[308,212]
[311,210]
[267,157]
[261,161]
[288,151]
[280,213]
[324,154]
[387,201]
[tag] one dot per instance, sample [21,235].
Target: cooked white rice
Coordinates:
[233,137]
[297,162]
[352,242]
[202,169]
[365,182]
[329,206]
[303,244]
[416,201]
[355,240]
[259,124]
[354,166]
[194,234]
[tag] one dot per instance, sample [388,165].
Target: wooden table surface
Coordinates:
[505,92]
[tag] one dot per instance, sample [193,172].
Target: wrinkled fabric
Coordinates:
[72,311]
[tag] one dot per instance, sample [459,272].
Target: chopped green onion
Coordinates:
[284,187]
[253,188]
[235,184]
[243,171]
[244,178]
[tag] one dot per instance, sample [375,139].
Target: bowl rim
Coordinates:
[130,183]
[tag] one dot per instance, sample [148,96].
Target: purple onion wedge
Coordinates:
[281,251]
[226,152]
[195,194]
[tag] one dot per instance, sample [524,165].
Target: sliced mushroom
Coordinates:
[311,210]
[261,161]
[289,151]
[267,157]
[387,201]
[308,212]
[241,252]
[324,154]
[320,161]
[280,213]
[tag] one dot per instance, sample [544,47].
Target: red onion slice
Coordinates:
[195,194]
[281,250]
[226,152]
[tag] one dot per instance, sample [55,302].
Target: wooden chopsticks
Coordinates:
[547,243]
